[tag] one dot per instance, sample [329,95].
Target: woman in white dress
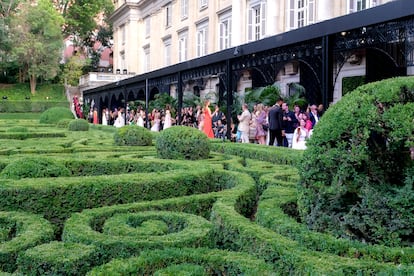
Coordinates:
[167,119]
[120,120]
[299,136]
[105,116]
[140,119]
[156,122]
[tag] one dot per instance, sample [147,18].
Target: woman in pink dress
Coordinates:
[308,123]
[208,124]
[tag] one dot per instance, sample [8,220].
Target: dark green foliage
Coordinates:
[266,95]
[355,173]
[298,96]
[55,114]
[351,83]
[161,101]
[33,167]
[180,142]
[132,135]
[78,125]
[272,214]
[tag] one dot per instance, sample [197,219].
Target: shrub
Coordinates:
[78,125]
[358,161]
[133,136]
[33,167]
[180,142]
[55,114]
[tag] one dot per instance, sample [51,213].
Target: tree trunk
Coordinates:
[33,84]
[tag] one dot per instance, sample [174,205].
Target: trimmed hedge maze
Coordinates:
[120,210]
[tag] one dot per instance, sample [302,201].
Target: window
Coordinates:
[122,59]
[123,34]
[147,58]
[256,20]
[168,16]
[302,13]
[225,30]
[202,36]
[182,46]
[167,51]
[147,26]
[359,5]
[184,9]
[203,4]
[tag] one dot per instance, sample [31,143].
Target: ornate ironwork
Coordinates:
[396,38]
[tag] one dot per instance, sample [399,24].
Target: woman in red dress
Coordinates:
[208,124]
[95,116]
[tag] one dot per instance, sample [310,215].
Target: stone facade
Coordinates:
[152,34]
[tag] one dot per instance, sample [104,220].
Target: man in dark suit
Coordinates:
[313,115]
[276,123]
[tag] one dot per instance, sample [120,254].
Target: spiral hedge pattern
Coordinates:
[18,232]
[123,211]
[126,234]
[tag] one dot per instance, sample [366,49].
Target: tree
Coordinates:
[82,16]
[7,8]
[72,70]
[86,21]
[37,41]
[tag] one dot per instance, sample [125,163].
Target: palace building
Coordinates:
[152,34]
[216,46]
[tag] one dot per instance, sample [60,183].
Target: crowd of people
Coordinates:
[278,125]
[275,125]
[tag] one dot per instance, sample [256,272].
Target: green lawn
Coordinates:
[21,92]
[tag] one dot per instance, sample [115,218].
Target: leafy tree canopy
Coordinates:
[37,40]
[7,8]
[85,17]
[86,21]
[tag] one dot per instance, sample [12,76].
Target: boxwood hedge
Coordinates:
[356,176]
